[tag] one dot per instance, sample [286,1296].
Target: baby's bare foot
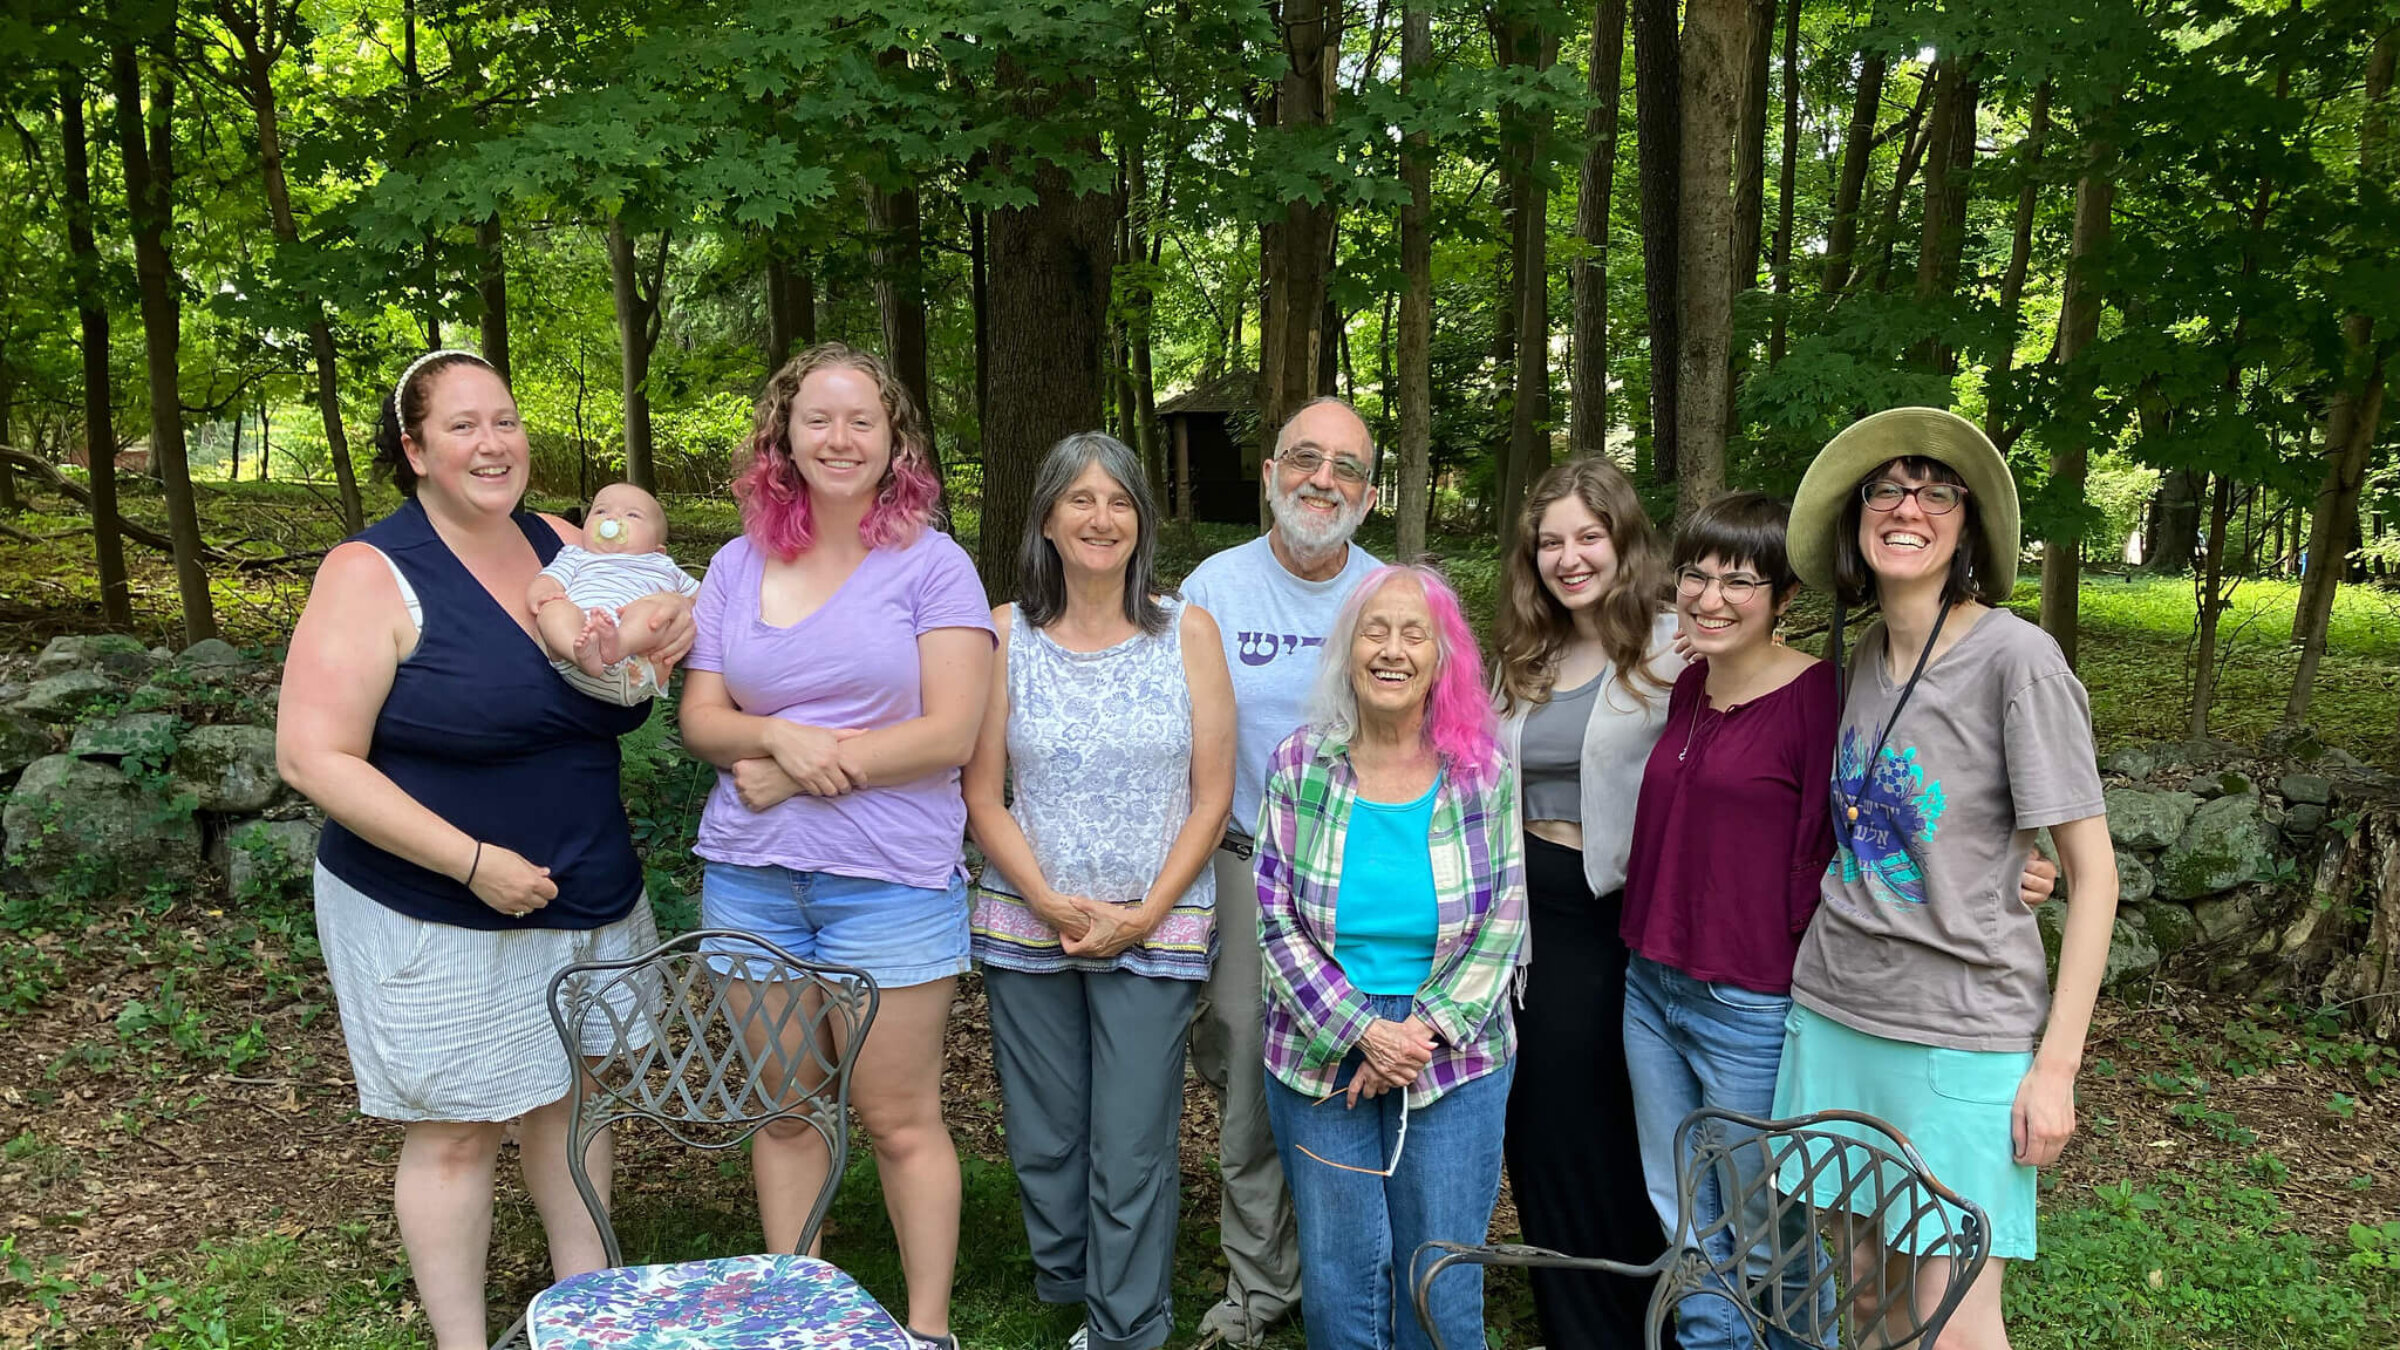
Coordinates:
[593,643]
[611,638]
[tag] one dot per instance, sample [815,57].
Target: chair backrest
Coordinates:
[1791,1190]
[712,1036]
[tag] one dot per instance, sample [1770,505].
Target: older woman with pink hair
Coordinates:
[1391,895]
[837,683]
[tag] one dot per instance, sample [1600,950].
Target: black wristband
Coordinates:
[469,883]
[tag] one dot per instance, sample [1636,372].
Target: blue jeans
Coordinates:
[1689,1044]
[1359,1233]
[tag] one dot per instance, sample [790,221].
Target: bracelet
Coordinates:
[469,883]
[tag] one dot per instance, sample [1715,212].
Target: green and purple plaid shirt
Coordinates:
[1313,1015]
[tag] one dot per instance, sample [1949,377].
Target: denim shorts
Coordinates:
[901,935]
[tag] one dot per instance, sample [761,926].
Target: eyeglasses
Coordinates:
[1306,463]
[1399,1142]
[1935,499]
[1691,583]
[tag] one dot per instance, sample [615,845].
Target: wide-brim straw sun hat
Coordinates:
[1896,433]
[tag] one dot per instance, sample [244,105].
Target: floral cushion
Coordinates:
[737,1303]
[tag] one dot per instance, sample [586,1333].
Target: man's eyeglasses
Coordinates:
[1691,583]
[1306,463]
[1399,1140]
[1935,499]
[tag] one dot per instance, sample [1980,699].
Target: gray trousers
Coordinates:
[1091,1089]
[1254,1213]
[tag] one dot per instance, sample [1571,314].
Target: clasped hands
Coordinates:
[1093,928]
[1393,1054]
[802,760]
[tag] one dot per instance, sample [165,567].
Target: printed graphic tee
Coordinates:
[1274,626]
[1921,936]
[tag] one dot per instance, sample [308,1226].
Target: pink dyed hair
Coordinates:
[774,497]
[1459,724]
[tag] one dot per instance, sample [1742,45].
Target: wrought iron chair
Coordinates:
[1791,1189]
[712,1046]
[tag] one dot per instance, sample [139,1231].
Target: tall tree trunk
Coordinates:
[1415,375]
[491,290]
[899,254]
[1997,397]
[1778,339]
[1658,136]
[1715,47]
[1526,44]
[1858,151]
[2078,328]
[783,317]
[8,472]
[149,201]
[1949,159]
[2175,548]
[2211,608]
[1297,243]
[1750,149]
[1588,413]
[91,307]
[264,34]
[979,294]
[640,315]
[1887,225]
[1049,319]
[2356,412]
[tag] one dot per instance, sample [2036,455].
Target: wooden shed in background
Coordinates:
[1213,450]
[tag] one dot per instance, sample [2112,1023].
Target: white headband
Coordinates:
[401,389]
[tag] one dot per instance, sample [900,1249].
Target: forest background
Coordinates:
[2152,246]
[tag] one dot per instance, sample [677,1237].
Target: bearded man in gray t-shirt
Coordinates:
[1274,600]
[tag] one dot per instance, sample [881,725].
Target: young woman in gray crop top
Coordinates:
[1586,659]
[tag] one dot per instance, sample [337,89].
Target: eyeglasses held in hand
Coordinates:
[1935,499]
[1399,1142]
[1691,583]
[1306,463]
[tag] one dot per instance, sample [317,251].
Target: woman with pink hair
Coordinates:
[1391,896]
[838,683]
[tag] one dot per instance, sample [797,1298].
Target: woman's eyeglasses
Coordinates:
[1691,583]
[1306,463]
[1935,499]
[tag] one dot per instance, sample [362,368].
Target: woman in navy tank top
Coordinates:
[475,841]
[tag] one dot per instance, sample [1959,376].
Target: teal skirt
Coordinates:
[1953,1105]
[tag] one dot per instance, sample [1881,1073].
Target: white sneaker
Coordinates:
[1082,1338]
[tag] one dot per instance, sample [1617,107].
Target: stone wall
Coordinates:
[2229,860]
[136,768]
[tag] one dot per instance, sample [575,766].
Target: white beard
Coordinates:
[1310,533]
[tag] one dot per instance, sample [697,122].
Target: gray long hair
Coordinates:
[1042,579]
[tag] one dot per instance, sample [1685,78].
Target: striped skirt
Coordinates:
[452,1024]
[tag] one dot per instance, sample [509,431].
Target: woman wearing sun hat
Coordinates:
[1919,989]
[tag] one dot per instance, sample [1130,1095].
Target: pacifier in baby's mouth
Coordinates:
[611,528]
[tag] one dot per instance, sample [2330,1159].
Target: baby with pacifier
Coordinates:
[622,558]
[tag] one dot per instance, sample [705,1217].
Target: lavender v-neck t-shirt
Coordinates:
[852,663]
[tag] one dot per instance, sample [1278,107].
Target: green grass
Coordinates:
[2136,651]
[2196,1261]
